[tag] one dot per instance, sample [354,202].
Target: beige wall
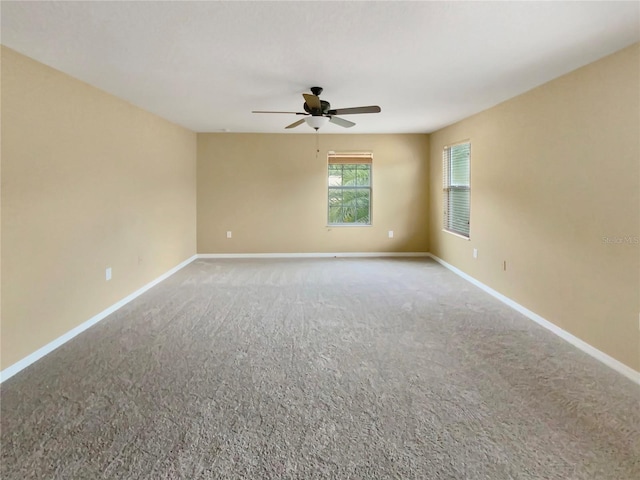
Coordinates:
[271,192]
[88,181]
[553,172]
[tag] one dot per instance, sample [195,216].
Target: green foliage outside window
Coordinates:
[349,194]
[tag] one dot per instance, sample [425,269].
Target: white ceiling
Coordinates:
[206,65]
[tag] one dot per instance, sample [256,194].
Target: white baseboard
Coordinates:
[582,345]
[312,255]
[575,341]
[41,352]
[49,347]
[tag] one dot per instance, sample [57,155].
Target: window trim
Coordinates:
[350,158]
[447,187]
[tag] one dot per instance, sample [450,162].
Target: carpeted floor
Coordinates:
[318,368]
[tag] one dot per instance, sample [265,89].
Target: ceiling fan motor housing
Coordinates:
[324,108]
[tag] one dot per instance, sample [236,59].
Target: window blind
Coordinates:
[456,188]
[350,158]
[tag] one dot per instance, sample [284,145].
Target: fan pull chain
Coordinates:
[317,144]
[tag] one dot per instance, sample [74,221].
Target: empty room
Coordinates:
[320,240]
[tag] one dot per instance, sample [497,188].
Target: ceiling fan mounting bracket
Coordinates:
[316,91]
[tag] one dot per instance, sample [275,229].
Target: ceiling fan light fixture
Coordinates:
[316,121]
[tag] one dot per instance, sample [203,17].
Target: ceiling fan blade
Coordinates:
[268,111]
[341,121]
[353,110]
[312,101]
[295,124]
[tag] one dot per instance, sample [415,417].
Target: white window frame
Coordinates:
[455,215]
[356,159]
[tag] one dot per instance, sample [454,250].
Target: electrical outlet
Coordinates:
[229,234]
[390,233]
[107,273]
[475,253]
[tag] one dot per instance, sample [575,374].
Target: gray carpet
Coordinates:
[318,368]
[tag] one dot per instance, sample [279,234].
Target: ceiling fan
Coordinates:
[318,112]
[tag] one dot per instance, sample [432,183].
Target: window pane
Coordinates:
[459,211]
[349,197]
[349,214]
[349,175]
[335,180]
[364,196]
[335,196]
[362,213]
[362,175]
[335,214]
[459,169]
[335,175]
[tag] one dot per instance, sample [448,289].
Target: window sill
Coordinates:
[456,234]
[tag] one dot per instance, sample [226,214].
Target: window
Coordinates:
[349,201]
[457,190]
